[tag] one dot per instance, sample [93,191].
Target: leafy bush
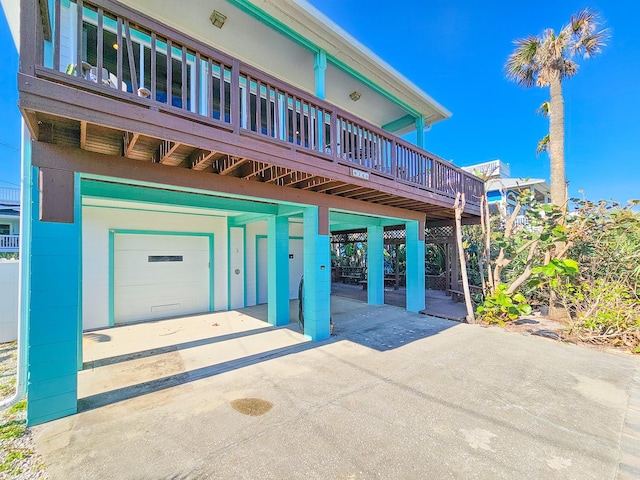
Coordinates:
[501,307]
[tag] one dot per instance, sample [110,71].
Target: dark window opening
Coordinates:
[165,258]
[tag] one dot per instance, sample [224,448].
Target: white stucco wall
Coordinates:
[96,223]
[252,231]
[8,300]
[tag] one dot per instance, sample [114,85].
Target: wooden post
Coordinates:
[458,207]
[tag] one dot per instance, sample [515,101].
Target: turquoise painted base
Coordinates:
[52,356]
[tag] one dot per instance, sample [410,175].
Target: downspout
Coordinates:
[23,276]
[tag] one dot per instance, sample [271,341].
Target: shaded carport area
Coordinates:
[393,394]
[134,360]
[370,232]
[123,356]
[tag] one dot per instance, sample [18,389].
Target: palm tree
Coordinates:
[546,61]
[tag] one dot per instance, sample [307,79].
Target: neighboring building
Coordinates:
[502,190]
[187,160]
[9,220]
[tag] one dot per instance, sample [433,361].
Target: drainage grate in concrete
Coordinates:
[253,407]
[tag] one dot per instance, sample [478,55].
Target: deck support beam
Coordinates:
[317,273]
[278,270]
[415,265]
[53,269]
[375,265]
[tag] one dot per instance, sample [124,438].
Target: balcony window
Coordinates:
[5,229]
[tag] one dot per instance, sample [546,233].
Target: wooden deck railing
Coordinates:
[130,56]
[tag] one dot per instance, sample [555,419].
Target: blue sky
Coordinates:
[455,51]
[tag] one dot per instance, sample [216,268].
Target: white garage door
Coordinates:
[159,276]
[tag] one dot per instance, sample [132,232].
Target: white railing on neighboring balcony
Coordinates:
[521,220]
[9,243]
[10,195]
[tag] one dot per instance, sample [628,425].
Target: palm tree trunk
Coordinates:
[556,145]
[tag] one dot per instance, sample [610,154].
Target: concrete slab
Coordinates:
[392,395]
[437,302]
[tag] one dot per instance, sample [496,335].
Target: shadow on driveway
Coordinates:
[381,328]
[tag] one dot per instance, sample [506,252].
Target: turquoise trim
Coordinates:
[113,232]
[243,219]
[228,267]
[355,217]
[244,265]
[156,210]
[399,124]
[358,220]
[212,277]
[172,197]
[244,262]
[258,269]
[320,67]
[161,232]
[111,278]
[420,132]
[260,15]
[275,24]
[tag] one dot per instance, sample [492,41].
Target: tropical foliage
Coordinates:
[546,61]
[586,261]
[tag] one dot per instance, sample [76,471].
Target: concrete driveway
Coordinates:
[392,395]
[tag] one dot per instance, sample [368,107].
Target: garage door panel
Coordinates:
[157,276]
[160,242]
[146,290]
[158,292]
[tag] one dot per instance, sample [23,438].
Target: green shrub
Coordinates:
[502,307]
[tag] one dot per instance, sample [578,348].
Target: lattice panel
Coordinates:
[394,234]
[348,237]
[440,232]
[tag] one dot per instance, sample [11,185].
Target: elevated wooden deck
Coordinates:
[160,96]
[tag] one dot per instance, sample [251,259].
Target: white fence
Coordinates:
[9,243]
[10,195]
[9,300]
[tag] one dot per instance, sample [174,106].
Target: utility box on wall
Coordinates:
[9,300]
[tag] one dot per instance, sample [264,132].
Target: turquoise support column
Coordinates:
[52,355]
[320,67]
[317,275]
[278,274]
[420,131]
[415,266]
[375,265]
